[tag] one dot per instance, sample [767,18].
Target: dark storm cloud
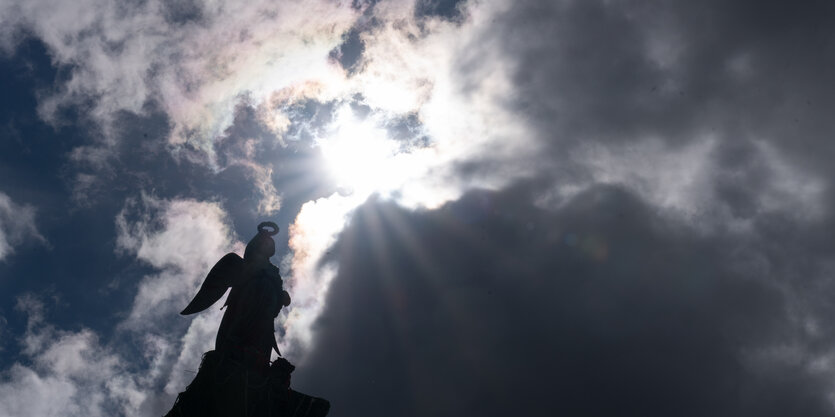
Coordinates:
[609,71]
[491,306]
[746,78]
[613,74]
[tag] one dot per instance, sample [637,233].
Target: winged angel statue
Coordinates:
[237,378]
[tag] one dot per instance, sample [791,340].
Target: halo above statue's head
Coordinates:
[262,245]
[262,228]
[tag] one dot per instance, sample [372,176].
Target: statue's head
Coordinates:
[262,246]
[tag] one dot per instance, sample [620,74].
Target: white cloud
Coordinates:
[74,373]
[182,239]
[17,225]
[122,56]
[262,180]
[125,54]
[451,75]
[70,374]
[315,229]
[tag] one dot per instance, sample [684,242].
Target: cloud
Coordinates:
[153,351]
[492,306]
[69,373]
[315,230]
[194,64]
[502,90]
[620,75]
[712,183]
[180,238]
[198,65]
[17,225]
[508,92]
[642,132]
[457,85]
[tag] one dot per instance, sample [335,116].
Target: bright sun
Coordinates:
[360,155]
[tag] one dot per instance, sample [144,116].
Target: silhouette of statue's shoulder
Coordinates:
[237,377]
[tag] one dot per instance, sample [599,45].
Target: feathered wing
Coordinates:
[220,278]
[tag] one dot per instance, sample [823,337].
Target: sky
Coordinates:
[487,207]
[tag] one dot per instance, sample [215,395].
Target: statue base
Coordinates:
[227,387]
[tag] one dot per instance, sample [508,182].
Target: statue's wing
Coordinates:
[220,278]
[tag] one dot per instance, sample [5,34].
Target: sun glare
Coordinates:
[360,155]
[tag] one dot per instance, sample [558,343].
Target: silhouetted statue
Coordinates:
[237,378]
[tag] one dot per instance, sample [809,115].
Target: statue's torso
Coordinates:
[247,328]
